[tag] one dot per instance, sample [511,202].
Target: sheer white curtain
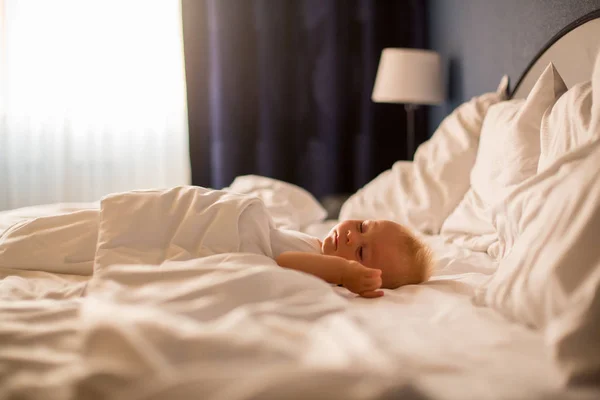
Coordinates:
[92,99]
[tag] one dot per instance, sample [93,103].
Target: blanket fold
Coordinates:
[178,224]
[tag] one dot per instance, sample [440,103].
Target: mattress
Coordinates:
[237,329]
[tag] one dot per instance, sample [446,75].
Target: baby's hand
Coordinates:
[362,280]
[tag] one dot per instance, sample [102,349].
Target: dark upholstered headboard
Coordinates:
[572,51]
[482,40]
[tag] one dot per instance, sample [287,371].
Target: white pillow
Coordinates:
[508,154]
[551,276]
[565,126]
[421,193]
[574,335]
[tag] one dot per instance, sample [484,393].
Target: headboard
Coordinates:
[482,40]
[572,51]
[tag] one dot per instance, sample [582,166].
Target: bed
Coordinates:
[94,304]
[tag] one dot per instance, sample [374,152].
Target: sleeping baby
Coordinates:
[362,256]
[150,227]
[194,222]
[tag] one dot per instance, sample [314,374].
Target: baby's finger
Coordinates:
[371,294]
[372,284]
[372,272]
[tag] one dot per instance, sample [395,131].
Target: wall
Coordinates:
[481,40]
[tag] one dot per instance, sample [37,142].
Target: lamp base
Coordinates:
[410,130]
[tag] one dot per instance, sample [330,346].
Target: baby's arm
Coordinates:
[351,274]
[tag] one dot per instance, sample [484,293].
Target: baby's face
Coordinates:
[373,243]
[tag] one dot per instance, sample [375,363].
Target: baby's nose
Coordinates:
[349,237]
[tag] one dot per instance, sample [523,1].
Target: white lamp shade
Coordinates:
[408,76]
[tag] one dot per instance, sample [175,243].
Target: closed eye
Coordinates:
[360,253]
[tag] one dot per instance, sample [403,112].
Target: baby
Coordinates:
[364,256]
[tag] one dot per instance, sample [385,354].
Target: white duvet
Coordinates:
[183,290]
[164,316]
[153,226]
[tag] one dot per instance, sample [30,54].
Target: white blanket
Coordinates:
[176,298]
[137,321]
[183,223]
[63,243]
[149,227]
[223,326]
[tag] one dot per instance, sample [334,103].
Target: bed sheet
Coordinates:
[448,346]
[237,327]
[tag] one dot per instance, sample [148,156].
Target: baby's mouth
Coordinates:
[335,240]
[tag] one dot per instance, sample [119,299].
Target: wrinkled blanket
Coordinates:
[228,326]
[152,226]
[184,301]
[183,223]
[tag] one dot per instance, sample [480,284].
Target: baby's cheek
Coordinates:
[330,251]
[348,257]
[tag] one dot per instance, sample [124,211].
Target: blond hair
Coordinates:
[421,261]
[418,258]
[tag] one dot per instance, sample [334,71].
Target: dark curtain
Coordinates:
[282,88]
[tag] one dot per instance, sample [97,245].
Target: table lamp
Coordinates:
[412,77]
